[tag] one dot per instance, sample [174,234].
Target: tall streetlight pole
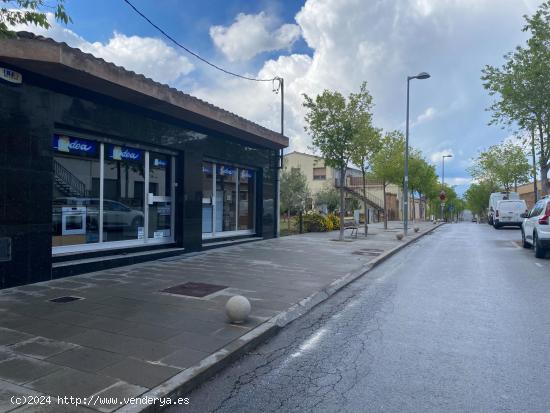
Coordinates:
[443,178]
[421,76]
[280,87]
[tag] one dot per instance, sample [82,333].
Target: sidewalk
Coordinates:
[125,336]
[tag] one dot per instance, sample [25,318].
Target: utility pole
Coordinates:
[280,87]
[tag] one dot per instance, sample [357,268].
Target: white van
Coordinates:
[494,198]
[508,213]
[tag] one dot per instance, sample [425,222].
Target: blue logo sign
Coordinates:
[122,153]
[225,170]
[246,174]
[160,163]
[73,145]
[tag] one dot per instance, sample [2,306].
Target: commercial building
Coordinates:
[100,166]
[527,192]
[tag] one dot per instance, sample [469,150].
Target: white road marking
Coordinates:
[539,265]
[515,245]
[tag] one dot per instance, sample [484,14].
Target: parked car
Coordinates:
[535,229]
[493,199]
[508,213]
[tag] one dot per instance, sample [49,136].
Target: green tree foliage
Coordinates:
[521,87]
[388,163]
[33,12]
[330,197]
[422,179]
[367,143]
[333,122]
[506,165]
[294,191]
[477,197]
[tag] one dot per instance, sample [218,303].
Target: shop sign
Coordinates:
[226,170]
[69,144]
[122,153]
[160,163]
[207,169]
[11,76]
[246,174]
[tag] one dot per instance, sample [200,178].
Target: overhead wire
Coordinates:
[195,54]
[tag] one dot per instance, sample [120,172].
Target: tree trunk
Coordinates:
[288,219]
[385,208]
[365,199]
[543,161]
[342,178]
[535,189]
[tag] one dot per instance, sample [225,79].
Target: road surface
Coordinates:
[457,322]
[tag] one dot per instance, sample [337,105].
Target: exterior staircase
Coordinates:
[372,200]
[67,183]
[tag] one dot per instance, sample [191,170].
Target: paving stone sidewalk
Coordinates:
[125,336]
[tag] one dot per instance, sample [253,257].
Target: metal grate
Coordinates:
[371,252]
[192,289]
[65,299]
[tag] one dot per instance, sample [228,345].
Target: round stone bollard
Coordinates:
[399,236]
[237,309]
[416,229]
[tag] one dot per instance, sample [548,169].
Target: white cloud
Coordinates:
[252,34]
[425,116]
[458,180]
[436,157]
[146,55]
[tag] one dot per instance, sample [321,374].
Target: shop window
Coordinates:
[75,206]
[207,197]
[158,198]
[87,210]
[226,198]
[246,199]
[123,209]
[228,195]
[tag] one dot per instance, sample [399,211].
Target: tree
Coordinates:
[506,165]
[521,87]
[333,121]
[422,179]
[29,12]
[294,191]
[329,197]
[388,163]
[477,196]
[367,143]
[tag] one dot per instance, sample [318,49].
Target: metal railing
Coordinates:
[371,199]
[75,185]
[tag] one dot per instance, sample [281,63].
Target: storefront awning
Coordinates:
[72,66]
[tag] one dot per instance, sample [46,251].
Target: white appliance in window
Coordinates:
[73,220]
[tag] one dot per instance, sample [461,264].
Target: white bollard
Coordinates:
[237,309]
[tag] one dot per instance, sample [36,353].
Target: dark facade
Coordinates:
[33,112]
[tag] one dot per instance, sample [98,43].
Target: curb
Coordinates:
[184,382]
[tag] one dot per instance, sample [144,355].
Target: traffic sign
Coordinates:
[442,196]
[443,204]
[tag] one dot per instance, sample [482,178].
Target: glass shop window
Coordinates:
[226,198]
[207,197]
[75,205]
[246,199]
[123,206]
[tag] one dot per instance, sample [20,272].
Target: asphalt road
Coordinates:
[457,322]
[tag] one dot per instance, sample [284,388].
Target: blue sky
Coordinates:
[322,44]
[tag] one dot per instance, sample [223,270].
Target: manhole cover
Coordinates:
[372,252]
[65,299]
[191,289]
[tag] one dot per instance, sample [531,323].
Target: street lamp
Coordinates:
[443,179]
[420,76]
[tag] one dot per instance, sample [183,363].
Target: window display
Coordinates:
[97,201]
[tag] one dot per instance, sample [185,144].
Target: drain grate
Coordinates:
[192,289]
[371,252]
[65,299]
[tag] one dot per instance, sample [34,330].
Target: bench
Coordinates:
[354,228]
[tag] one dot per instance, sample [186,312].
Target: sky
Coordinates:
[321,44]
